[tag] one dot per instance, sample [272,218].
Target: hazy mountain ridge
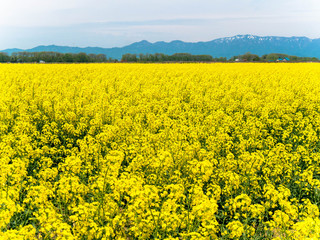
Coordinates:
[221,47]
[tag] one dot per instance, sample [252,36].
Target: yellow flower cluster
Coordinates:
[160,151]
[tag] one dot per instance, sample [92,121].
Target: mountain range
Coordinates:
[221,47]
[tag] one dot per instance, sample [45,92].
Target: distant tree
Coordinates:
[248,57]
[160,57]
[68,57]
[129,57]
[4,57]
[81,57]
[221,59]
[102,58]
[52,57]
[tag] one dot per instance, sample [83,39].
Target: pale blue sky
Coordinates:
[104,23]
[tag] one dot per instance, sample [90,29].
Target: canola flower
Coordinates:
[160,151]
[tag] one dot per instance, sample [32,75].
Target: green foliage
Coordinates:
[272,57]
[54,57]
[4,57]
[177,57]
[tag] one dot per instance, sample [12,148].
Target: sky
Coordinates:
[105,23]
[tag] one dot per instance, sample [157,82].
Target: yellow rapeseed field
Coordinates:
[160,151]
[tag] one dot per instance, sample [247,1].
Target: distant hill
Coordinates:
[222,47]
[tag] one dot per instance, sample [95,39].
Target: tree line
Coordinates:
[186,57]
[53,57]
[177,57]
[56,57]
[272,57]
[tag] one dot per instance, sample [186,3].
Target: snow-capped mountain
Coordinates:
[221,47]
